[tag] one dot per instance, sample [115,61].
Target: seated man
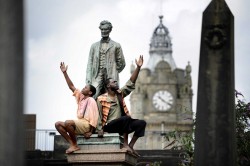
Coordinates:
[113,113]
[87,114]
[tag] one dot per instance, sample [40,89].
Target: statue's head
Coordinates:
[106,28]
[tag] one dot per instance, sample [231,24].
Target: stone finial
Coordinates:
[188,68]
[132,68]
[188,76]
[161,17]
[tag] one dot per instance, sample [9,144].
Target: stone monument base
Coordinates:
[109,141]
[104,151]
[119,157]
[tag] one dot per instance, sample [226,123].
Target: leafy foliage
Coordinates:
[242,130]
[180,141]
[183,141]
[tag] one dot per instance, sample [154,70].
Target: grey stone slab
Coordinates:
[109,157]
[100,147]
[95,140]
[109,141]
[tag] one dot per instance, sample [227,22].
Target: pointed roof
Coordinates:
[160,47]
[160,41]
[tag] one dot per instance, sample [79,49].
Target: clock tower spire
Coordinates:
[160,47]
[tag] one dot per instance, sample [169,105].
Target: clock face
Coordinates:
[163,100]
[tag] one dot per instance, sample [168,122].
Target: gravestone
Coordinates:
[215,123]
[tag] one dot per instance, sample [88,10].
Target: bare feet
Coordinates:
[135,153]
[72,149]
[128,148]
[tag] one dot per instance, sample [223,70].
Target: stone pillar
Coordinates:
[11,83]
[215,143]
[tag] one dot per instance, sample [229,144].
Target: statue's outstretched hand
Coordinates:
[140,61]
[63,67]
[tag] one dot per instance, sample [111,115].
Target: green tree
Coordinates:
[242,127]
[242,109]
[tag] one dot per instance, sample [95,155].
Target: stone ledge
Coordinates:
[94,139]
[102,156]
[109,141]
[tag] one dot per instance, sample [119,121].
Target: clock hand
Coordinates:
[161,99]
[164,100]
[169,103]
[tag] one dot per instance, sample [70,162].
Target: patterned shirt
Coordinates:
[110,109]
[90,107]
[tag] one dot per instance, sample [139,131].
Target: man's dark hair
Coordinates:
[92,89]
[106,82]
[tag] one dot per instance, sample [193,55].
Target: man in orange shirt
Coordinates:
[87,114]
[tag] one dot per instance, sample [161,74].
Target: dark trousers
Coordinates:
[126,124]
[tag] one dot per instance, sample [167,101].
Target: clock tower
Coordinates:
[163,93]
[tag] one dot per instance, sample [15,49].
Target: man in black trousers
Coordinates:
[114,116]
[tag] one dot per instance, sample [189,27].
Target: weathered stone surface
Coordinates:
[104,151]
[215,124]
[103,157]
[109,141]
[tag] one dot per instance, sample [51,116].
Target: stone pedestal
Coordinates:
[104,151]
[115,157]
[109,141]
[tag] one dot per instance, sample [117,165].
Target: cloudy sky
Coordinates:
[63,30]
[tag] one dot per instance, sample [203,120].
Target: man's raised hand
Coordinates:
[63,67]
[140,61]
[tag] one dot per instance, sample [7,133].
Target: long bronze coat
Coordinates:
[115,61]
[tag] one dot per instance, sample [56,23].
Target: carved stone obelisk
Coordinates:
[215,122]
[11,83]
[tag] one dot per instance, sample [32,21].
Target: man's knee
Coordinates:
[143,123]
[68,123]
[126,117]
